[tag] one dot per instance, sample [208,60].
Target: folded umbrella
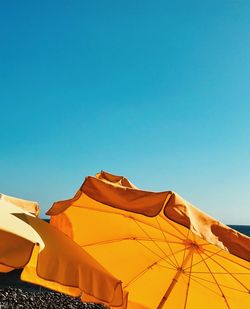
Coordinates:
[51,259]
[29,206]
[168,253]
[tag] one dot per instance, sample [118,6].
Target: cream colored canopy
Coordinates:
[29,206]
[51,259]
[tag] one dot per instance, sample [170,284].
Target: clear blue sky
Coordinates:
[157,91]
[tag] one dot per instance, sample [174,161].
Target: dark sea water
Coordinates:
[244,229]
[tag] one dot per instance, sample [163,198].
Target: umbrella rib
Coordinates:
[141,273]
[199,238]
[171,223]
[174,281]
[187,291]
[173,265]
[204,286]
[226,258]
[229,273]
[187,236]
[105,242]
[147,268]
[163,266]
[218,273]
[167,241]
[214,253]
[130,217]
[218,286]
[154,242]
[156,228]
[225,286]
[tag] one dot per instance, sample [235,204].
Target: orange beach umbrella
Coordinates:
[168,253]
[51,259]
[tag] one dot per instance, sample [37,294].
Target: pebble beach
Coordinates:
[18,298]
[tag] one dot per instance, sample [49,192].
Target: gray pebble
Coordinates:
[16,298]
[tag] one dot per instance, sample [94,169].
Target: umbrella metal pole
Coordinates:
[175,279]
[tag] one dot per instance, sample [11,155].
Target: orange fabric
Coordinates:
[5,269]
[109,191]
[51,259]
[206,227]
[164,250]
[116,195]
[119,180]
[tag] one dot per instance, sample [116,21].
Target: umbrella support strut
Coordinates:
[175,279]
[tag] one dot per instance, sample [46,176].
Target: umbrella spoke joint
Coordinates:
[193,247]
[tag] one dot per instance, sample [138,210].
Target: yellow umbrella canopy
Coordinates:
[168,253]
[51,259]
